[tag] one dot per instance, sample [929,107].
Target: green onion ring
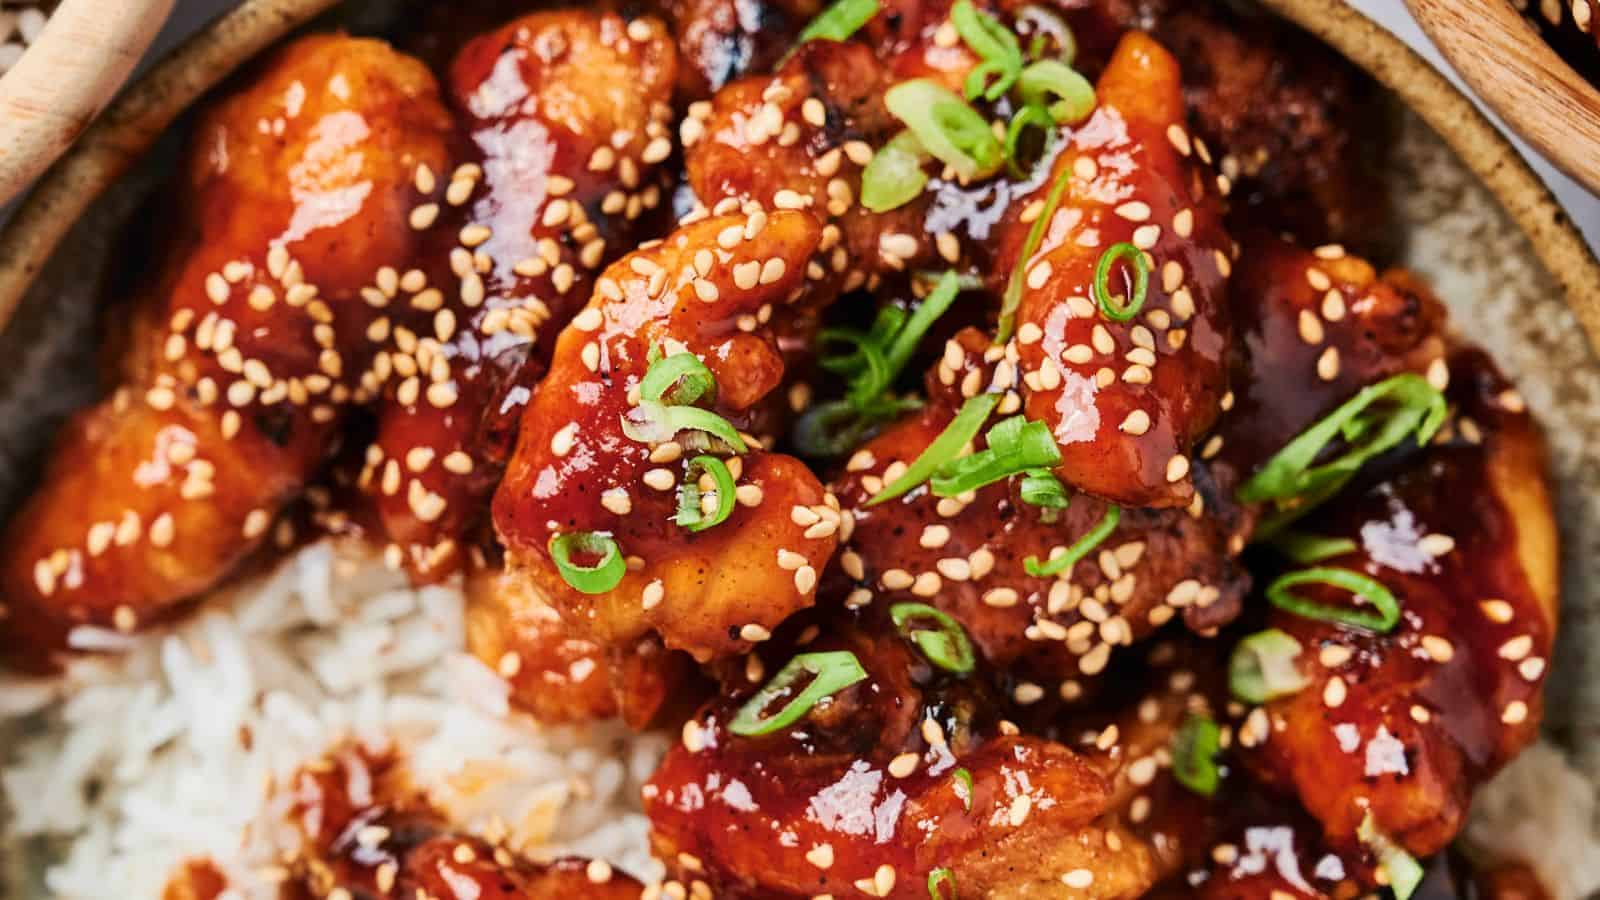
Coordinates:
[1262,667]
[833,670]
[963,787]
[949,129]
[677,380]
[1012,299]
[946,646]
[937,878]
[689,494]
[1194,754]
[1101,286]
[1405,873]
[654,423]
[995,44]
[894,175]
[1306,549]
[1052,78]
[963,428]
[1041,488]
[1083,547]
[598,578]
[1382,621]
[1029,116]
[839,21]
[1044,24]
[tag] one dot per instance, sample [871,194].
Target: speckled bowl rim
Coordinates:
[134,121]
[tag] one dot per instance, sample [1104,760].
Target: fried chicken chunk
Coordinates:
[966,554]
[567,115]
[706,292]
[1125,390]
[245,351]
[1402,725]
[901,780]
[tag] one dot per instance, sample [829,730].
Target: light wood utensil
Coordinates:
[66,77]
[1522,79]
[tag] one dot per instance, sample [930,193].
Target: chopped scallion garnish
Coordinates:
[1081,548]
[1015,446]
[894,176]
[654,423]
[1043,27]
[1373,592]
[676,380]
[963,428]
[596,579]
[1262,667]
[995,44]
[937,879]
[1116,307]
[963,787]
[947,127]
[1040,487]
[1306,549]
[1012,300]
[1022,121]
[839,21]
[1049,78]
[945,645]
[690,514]
[1194,754]
[1292,480]
[1404,873]
[831,672]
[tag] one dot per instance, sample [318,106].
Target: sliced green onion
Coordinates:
[946,646]
[1049,78]
[690,515]
[676,380]
[654,423]
[1029,116]
[949,129]
[839,21]
[909,336]
[1194,754]
[1291,479]
[1262,667]
[963,428]
[995,44]
[880,355]
[1113,307]
[1012,300]
[936,879]
[838,427]
[963,787]
[1042,26]
[1040,487]
[831,673]
[894,176]
[1381,621]
[1404,873]
[1306,549]
[1015,446]
[1083,547]
[598,578]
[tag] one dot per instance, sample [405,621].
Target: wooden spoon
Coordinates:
[1522,79]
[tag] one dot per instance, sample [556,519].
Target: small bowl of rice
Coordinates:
[61,62]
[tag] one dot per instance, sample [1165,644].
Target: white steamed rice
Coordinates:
[140,766]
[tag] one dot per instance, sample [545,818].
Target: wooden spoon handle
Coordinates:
[1518,74]
[66,77]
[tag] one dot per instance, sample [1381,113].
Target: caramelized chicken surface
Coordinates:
[246,351]
[904,780]
[371,835]
[707,290]
[967,555]
[566,115]
[1125,399]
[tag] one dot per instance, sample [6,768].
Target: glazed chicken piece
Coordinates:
[244,353]
[1315,327]
[707,290]
[367,832]
[557,674]
[1126,399]
[567,114]
[899,785]
[967,555]
[1403,725]
[1278,110]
